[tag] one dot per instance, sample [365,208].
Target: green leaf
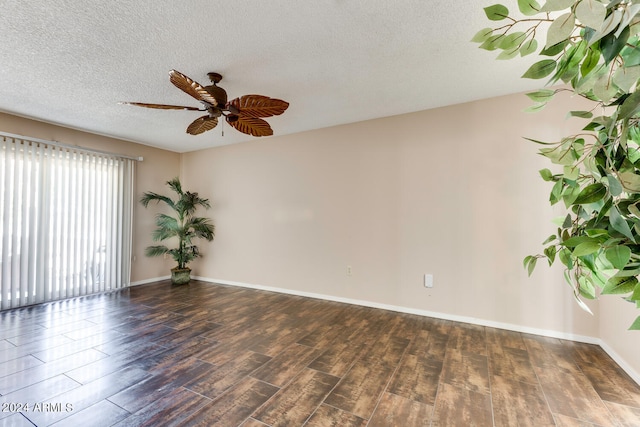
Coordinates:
[556,192]
[610,23]
[571,172]
[618,256]
[529,263]
[532,265]
[512,41]
[628,14]
[540,69]
[546,174]
[597,232]
[615,188]
[591,193]
[610,46]
[564,156]
[620,285]
[507,54]
[586,248]
[550,239]
[555,49]
[636,293]
[550,253]
[560,29]
[619,223]
[630,106]
[591,13]
[482,35]
[580,114]
[632,153]
[565,257]
[625,78]
[590,61]
[635,326]
[492,42]
[496,12]
[628,273]
[587,289]
[528,47]
[554,5]
[535,107]
[633,209]
[528,7]
[630,182]
[582,305]
[542,95]
[576,240]
[631,56]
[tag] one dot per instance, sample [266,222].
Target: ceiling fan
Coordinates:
[244,113]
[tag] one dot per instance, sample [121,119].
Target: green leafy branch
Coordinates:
[593,47]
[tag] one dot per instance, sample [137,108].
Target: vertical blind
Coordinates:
[65,222]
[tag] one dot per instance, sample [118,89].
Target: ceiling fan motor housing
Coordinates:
[218,93]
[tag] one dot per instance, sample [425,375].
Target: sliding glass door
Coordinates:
[65,222]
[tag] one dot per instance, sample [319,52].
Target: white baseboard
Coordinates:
[472,320]
[145,281]
[620,361]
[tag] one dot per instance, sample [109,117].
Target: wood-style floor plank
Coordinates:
[466,370]
[207,354]
[627,416]
[171,409]
[224,377]
[295,403]
[159,385]
[102,414]
[285,366]
[235,406]
[572,394]
[328,416]
[518,403]
[417,378]
[395,410]
[456,406]
[85,396]
[15,420]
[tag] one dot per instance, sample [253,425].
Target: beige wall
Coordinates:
[151,174]
[454,192]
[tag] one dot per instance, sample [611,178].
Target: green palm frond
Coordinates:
[202,227]
[175,185]
[168,222]
[157,250]
[160,234]
[155,197]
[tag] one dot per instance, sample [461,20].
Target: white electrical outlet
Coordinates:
[349,271]
[428,280]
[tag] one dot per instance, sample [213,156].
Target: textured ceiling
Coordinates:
[70,62]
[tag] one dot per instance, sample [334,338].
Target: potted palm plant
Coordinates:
[183,225]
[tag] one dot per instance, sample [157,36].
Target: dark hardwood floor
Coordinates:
[213,355]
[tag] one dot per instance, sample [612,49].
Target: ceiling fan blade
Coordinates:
[161,106]
[202,124]
[191,87]
[258,106]
[251,126]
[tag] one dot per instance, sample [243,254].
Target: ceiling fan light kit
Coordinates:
[245,114]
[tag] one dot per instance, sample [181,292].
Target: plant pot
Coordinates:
[180,276]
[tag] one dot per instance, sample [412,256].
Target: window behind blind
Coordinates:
[65,222]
